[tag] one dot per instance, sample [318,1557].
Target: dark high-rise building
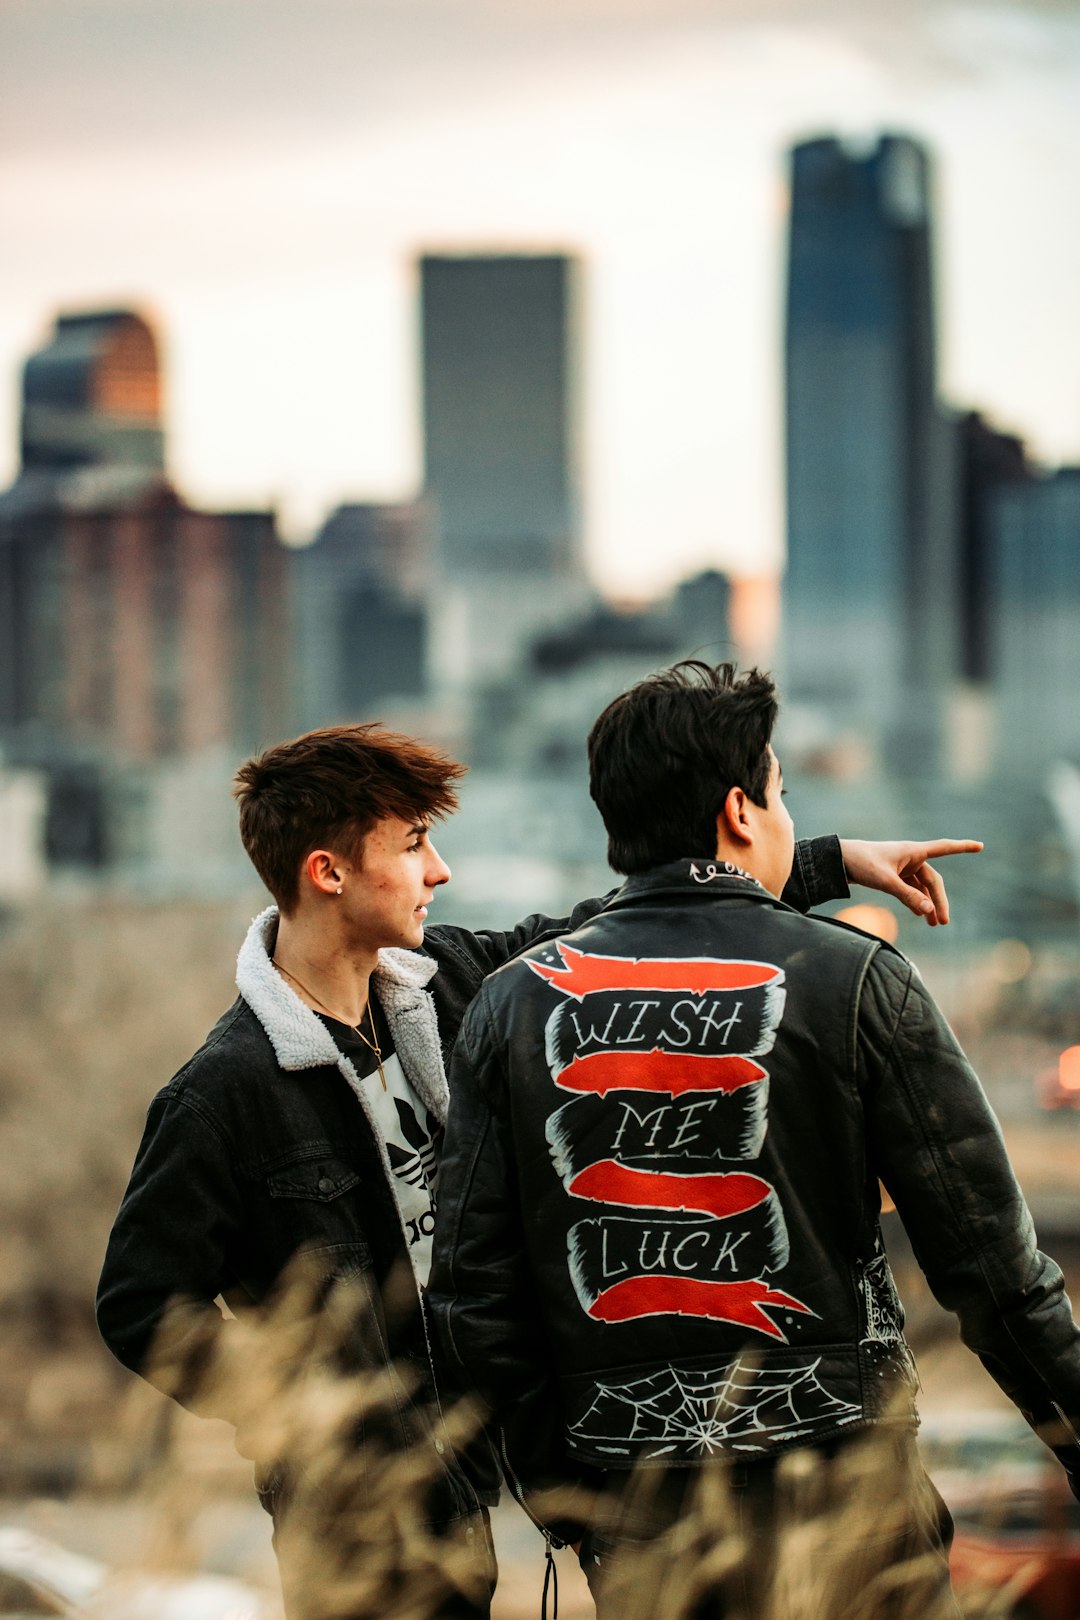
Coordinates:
[868,606]
[499,413]
[1036,644]
[360,612]
[501,462]
[988,461]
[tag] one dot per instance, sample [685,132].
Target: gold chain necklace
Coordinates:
[372,1045]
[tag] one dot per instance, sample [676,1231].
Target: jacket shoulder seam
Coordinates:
[853,1021]
[899,1013]
[194,1105]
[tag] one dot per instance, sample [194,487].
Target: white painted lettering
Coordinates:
[642,1009]
[590,1033]
[658,1263]
[726,1024]
[689,1120]
[641,1121]
[666,1038]
[727,1249]
[605,1269]
[683,1243]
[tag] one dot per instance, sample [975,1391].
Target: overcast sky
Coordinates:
[260,174]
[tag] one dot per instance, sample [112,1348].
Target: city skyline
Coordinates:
[275,236]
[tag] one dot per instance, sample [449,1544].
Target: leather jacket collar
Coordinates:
[684,878]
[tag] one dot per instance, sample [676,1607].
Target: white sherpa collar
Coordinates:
[302,1041]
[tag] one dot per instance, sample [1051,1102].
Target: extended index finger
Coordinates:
[950,846]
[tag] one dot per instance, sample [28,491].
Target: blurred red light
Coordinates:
[1069,1069]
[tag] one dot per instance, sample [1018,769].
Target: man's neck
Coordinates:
[324,972]
[743,858]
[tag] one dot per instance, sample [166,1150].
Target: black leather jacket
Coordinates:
[658,1231]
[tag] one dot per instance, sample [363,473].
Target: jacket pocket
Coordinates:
[322,1179]
[312,1203]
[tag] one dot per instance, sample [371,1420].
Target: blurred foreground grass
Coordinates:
[101,999]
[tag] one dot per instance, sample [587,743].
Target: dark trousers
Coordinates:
[854,1530]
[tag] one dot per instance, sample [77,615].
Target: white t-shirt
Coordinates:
[409,1133]
[412,1136]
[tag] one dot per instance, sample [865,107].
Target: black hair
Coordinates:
[664,756]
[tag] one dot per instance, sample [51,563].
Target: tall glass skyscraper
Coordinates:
[868,598]
[499,412]
[501,454]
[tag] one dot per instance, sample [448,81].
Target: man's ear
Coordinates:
[732,822]
[324,871]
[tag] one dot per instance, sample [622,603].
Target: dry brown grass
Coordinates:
[357,1544]
[101,999]
[826,1552]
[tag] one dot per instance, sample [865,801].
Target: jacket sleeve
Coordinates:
[490,947]
[480,1295]
[165,1261]
[817,874]
[938,1149]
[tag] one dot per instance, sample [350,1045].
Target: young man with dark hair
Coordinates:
[658,1234]
[309,1123]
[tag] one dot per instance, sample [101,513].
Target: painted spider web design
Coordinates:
[688,1412]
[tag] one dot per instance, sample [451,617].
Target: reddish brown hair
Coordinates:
[327,789]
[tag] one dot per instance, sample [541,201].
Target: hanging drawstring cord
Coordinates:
[551,1581]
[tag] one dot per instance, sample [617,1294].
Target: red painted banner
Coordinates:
[672,1072]
[584,974]
[609,1182]
[741,1302]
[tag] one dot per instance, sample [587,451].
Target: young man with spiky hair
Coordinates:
[309,1123]
[658,1233]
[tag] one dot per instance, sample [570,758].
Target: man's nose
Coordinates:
[438,871]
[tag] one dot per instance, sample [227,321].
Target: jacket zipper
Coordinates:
[1069,1428]
[518,1491]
